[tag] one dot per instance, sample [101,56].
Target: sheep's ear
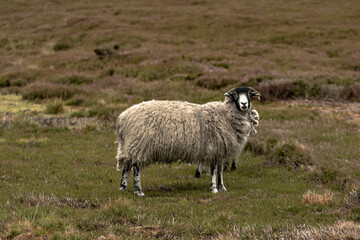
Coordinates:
[231,94]
[254,93]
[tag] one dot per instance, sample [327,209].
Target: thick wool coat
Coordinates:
[168,131]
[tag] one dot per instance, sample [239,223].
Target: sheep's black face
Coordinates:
[242,97]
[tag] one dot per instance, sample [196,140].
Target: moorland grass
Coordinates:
[62,183]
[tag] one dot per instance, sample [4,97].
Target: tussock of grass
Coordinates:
[54,107]
[312,197]
[291,156]
[352,198]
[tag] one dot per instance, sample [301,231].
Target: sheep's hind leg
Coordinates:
[226,165]
[198,172]
[213,188]
[125,177]
[221,186]
[137,184]
[233,165]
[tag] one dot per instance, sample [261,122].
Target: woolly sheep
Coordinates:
[254,120]
[166,131]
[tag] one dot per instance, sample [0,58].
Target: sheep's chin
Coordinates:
[244,109]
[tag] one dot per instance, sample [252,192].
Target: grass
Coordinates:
[14,104]
[62,183]
[54,107]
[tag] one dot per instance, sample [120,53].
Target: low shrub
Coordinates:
[4,82]
[54,107]
[40,91]
[333,91]
[275,89]
[214,82]
[222,65]
[353,92]
[290,156]
[75,80]
[193,76]
[331,177]
[110,72]
[255,146]
[283,89]
[62,44]
[299,89]
[103,112]
[75,101]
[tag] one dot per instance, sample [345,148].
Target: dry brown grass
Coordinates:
[320,198]
[339,230]
[152,231]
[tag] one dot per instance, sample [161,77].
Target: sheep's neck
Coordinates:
[239,121]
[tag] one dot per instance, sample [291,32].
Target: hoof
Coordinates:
[140,194]
[197,174]
[233,168]
[222,189]
[214,190]
[122,188]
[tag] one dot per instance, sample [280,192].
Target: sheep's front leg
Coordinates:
[221,186]
[137,184]
[125,177]
[213,188]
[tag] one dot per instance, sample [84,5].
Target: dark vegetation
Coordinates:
[139,51]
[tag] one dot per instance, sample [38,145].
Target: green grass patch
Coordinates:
[68,178]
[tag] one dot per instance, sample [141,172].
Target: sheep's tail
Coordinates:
[119,158]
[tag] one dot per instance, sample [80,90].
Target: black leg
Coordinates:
[233,165]
[226,165]
[137,184]
[125,177]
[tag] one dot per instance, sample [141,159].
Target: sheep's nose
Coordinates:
[244,103]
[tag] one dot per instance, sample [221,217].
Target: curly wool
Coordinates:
[168,131]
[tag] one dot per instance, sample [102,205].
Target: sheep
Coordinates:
[254,119]
[167,131]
